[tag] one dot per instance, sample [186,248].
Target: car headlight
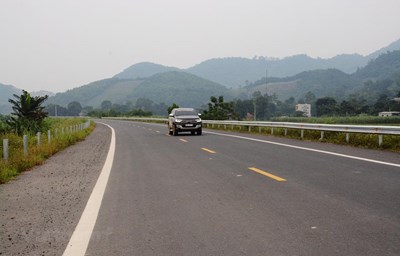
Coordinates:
[198,120]
[178,120]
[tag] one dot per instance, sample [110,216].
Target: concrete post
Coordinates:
[25,140]
[39,137]
[5,149]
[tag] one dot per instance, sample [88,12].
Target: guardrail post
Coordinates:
[322,135]
[25,141]
[302,134]
[272,130]
[5,149]
[259,129]
[39,137]
[62,130]
[285,131]
[56,133]
[380,139]
[48,136]
[347,137]
[232,127]
[249,128]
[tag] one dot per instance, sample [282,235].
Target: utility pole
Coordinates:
[266,82]
[255,109]
[266,87]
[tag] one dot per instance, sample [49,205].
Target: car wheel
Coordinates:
[174,131]
[199,131]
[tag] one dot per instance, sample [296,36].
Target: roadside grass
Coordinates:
[37,154]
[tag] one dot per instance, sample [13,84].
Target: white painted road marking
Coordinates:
[303,148]
[308,149]
[79,241]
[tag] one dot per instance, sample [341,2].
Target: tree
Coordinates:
[326,106]
[309,98]
[382,104]
[61,111]
[346,109]
[28,112]
[170,108]
[288,107]
[219,110]
[144,104]
[106,105]
[74,108]
[243,107]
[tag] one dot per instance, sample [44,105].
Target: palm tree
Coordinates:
[28,111]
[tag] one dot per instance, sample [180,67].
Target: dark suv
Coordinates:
[184,120]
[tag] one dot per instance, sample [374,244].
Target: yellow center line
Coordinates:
[266,174]
[209,150]
[183,140]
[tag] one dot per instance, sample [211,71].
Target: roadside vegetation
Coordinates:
[29,118]
[220,110]
[37,154]
[361,120]
[390,142]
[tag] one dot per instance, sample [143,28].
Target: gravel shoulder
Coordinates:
[40,208]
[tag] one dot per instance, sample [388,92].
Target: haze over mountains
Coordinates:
[235,71]
[232,77]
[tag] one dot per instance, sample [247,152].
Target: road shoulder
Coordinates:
[40,208]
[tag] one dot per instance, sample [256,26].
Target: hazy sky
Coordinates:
[60,44]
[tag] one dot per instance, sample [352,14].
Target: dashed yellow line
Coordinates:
[266,174]
[209,150]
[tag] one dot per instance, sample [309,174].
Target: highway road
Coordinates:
[227,195]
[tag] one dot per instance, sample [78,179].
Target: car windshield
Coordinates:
[186,113]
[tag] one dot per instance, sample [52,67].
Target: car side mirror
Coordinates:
[171,115]
[199,114]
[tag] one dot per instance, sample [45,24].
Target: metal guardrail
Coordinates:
[365,129]
[369,129]
[390,130]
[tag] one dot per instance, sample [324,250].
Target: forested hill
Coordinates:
[143,70]
[168,87]
[234,72]
[179,87]
[335,83]
[380,68]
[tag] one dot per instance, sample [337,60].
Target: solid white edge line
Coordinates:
[308,149]
[80,238]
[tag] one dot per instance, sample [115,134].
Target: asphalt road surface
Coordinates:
[223,195]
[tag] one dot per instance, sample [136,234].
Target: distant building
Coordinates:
[389,113]
[305,108]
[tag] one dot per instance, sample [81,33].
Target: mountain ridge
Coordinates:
[234,72]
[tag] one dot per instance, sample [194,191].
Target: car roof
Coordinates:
[184,109]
